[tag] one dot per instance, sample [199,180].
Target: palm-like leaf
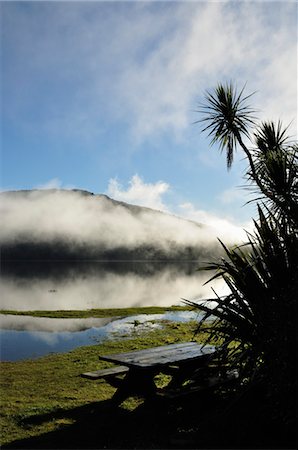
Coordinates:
[270,138]
[227,118]
[276,166]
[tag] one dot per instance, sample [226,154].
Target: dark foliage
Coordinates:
[256,322]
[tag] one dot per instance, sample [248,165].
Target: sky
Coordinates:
[103,96]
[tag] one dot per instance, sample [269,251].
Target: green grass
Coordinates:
[39,396]
[109,312]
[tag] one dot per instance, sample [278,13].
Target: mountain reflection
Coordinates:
[86,285]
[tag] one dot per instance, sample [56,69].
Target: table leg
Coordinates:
[184,372]
[137,382]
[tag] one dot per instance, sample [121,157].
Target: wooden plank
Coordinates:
[155,350]
[172,359]
[153,354]
[176,353]
[166,357]
[162,357]
[104,373]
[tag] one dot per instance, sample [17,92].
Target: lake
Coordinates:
[60,285]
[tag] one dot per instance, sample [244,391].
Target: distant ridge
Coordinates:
[135,208]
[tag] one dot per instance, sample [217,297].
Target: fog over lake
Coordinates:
[72,250]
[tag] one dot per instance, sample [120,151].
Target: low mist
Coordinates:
[80,219]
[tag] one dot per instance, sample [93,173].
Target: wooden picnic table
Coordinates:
[178,360]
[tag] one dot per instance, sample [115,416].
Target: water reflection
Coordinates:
[86,285]
[28,323]
[31,337]
[57,285]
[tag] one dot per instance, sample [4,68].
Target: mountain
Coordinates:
[76,224]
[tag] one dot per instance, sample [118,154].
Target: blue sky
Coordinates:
[102,96]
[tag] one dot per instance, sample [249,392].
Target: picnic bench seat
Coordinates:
[105,373]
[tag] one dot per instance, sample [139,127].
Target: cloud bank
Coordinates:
[98,224]
[152,195]
[76,217]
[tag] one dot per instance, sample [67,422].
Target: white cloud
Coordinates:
[159,93]
[223,227]
[147,194]
[140,193]
[233,195]
[145,64]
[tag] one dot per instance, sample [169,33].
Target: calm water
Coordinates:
[73,285]
[30,337]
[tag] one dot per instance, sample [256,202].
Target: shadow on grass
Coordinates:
[100,425]
[199,422]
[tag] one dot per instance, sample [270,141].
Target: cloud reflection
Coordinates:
[45,324]
[106,290]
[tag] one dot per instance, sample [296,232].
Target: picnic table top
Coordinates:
[161,356]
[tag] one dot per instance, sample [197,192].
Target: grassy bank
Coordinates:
[43,396]
[98,313]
